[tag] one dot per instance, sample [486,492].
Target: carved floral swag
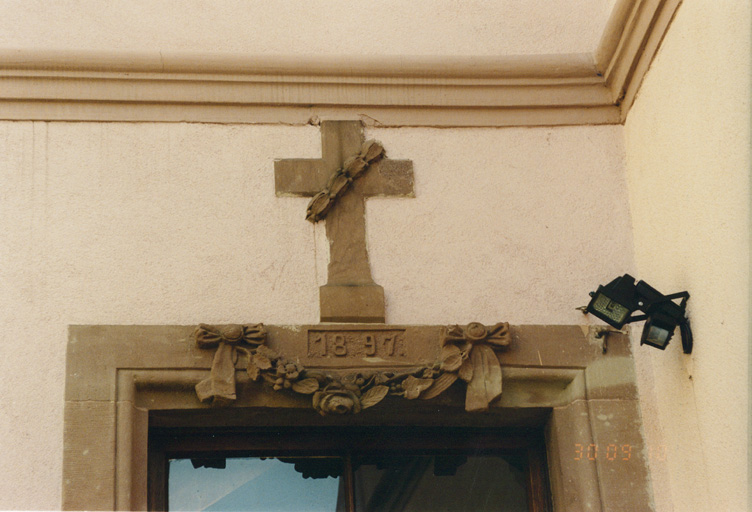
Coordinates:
[467,354]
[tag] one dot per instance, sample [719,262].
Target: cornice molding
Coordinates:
[629,44]
[530,90]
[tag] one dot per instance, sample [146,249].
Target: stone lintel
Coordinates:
[97,354]
[352,303]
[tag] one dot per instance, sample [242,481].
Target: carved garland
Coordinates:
[340,181]
[467,354]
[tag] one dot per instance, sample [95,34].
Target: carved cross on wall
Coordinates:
[350,294]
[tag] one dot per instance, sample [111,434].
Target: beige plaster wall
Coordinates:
[687,146]
[126,223]
[322,27]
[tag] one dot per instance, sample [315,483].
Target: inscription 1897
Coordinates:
[357,343]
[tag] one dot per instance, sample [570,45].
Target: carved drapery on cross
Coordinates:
[467,354]
[339,183]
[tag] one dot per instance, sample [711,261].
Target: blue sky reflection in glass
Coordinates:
[252,484]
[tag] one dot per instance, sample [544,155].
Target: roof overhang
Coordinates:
[529,90]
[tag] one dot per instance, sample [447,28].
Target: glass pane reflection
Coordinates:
[441,483]
[254,484]
[384,483]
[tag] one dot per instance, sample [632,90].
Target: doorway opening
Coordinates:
[348,469]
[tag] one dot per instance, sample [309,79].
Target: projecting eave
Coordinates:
[530,90]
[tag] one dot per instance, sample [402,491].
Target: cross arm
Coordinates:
[306,177]
[389,178]
[299,176]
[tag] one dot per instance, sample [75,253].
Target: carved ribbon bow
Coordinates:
[220,385]
[468,353]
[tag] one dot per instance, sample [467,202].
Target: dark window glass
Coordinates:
[440,483]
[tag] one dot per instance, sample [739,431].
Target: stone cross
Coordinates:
[350,294]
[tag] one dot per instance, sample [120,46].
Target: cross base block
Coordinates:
[352,303]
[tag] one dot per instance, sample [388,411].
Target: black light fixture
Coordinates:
[615,303]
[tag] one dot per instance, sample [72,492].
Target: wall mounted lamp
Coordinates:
[615,302]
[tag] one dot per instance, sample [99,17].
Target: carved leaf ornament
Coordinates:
[340,181]
[467,354]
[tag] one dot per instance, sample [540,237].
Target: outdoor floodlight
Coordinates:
[615,303]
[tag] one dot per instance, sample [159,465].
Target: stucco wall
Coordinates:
[687,145]
[126,223]
[321,27]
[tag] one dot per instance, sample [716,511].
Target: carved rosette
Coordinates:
[467,354]
[342,179]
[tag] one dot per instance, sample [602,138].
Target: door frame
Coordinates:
[123,380]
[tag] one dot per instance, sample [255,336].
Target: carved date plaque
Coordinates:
[347,368]
[369,346]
